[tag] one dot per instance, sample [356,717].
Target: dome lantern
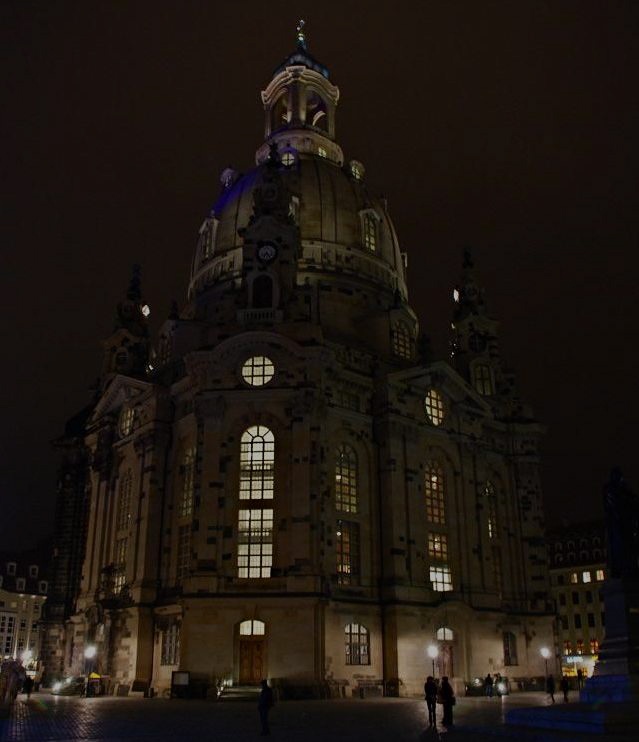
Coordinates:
[299,106]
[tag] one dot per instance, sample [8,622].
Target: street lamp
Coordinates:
[545,653]
[89,653]
[433,651]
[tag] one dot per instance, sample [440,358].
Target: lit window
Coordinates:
[438,546]
[119,561]
[434,407]
[456,296]
[574,578]
[580,646]
[594,646]
[483,379]
[441,578]
[321,151]
[347,549]
[126,420]
[294,209]
[170,654]
[357,169]
[288,158]
[444,634]
[258,370]
[370,232]
[567,647]
[346,479]
[586,577]
[510,648]
[252,628]
[356,644]
[491,510]
[123,517]
[257,463]
[600,575]
[255,543]
[183,561]
[402,341]
[434,491]
[188,477]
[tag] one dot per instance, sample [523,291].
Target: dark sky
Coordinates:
[510,127]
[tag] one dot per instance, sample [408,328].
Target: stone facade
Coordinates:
[287,485]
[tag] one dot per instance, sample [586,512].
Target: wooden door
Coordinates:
[251,661]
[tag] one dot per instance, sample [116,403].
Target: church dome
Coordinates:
[343,227]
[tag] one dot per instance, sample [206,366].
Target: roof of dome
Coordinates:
[332,203]
[301,56]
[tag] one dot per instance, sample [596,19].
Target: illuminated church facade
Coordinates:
[286,485]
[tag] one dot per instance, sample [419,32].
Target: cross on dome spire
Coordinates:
[301,35]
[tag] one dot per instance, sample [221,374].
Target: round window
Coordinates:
[434,407]
[258,370]
[288,158]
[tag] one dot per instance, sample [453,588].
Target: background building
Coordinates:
[577,570]
[286,484]
[24,584]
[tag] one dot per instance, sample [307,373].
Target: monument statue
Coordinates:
[622,522]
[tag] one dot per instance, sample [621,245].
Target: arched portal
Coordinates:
[252,652]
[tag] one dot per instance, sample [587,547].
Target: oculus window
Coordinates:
[434,407]
[258,370]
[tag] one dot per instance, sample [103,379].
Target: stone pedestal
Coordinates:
[616,676]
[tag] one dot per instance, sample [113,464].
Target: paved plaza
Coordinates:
[47,717]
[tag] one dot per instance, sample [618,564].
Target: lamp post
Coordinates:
[545,653]
[89,654]
[433,651]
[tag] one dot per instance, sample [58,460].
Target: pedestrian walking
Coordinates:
[580,678]
[550,687]
[265,703]
[430,692]
[565,685]
[448,700]
[27,687]
[488,685]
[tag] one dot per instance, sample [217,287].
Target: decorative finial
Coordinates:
[301,36]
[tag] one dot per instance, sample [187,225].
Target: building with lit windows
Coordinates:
[283,484]
[24,584]
[577,563]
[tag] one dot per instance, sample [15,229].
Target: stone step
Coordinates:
[240,693]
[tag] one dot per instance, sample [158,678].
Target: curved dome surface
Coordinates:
[332,209]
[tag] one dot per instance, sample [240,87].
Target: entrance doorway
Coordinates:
[252,667]
[445,660]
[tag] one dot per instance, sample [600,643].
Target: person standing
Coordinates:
[264,705]
[27,687]
[488,685]
[580,678]
[430,692]
[564,685]
[550,687]
[448,701]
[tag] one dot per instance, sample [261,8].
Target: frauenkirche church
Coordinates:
[285,485]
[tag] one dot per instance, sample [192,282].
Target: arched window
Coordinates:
[483,379]
[444,634]
[369,231]
[255,522]
[434,407]
[402,341]
[262,292]
[491,510]
[316,113]
[257,463]
[279,111]
[434,491]
[347,552]
[252,628]
[123,517]
[346,479]
[187,471]
[510,648]
[357,644]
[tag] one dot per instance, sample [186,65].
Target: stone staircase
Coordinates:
[248,693]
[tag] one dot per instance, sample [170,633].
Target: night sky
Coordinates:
[509,127]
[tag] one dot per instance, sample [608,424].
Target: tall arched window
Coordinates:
[255,522]
[346,479]
[491,510]
[434,491]
[357,644]
[510,648]
[187,471]
[369,231]
[483,379]
[123,517]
